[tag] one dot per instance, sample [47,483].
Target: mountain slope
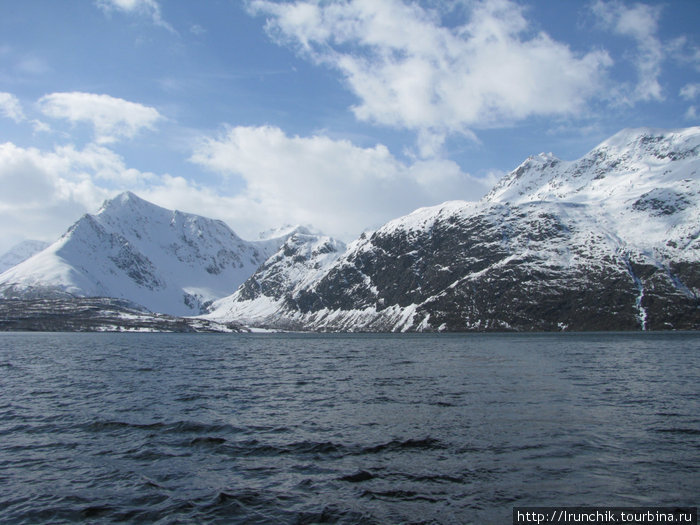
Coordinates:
[168,261]
[646,174]
[607,242]
[300,261]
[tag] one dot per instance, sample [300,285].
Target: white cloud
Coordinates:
[65,166]
[40,127]
[45,191]
[331,184]
[10,107]
[409,71]
[683,51]
[42,193]
[112,118]
[690,91]
[639,22]
[149,8]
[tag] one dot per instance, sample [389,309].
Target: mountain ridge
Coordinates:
[610,241]
[168,261]
[607,242]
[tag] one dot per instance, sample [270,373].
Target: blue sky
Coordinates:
[342,115]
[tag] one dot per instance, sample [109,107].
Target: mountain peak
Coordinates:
[630,161]
[606,242]
[167,261]
[127,200]
[123,198]
[286,231]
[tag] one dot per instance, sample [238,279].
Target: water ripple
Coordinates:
[295,429]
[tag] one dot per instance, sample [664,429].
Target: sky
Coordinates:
[340,115]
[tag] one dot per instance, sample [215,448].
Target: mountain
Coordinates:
[300,261]
[167,261]
[606,242]
[20,252]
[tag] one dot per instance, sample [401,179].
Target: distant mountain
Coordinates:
[606,242]
[167,261]
[20,252]
[96,314]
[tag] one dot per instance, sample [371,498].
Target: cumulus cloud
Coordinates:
[65,183]
[59,193]
[639,22]
[333,184]
[410,71]
[112,118]
[10,107]
[149,8]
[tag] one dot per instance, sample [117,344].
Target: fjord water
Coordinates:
[291,428]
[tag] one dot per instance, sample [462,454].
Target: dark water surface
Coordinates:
[343,428]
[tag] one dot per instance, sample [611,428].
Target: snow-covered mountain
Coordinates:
[643,183]
[20,252]
[168,261]
[606,242]
[300,262]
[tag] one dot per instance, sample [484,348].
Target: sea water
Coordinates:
[294,428]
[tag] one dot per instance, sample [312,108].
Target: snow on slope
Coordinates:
[299,263]
[644,184]
[20,252]
[168,261]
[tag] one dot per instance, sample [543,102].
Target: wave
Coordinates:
[254,447]
[192,427]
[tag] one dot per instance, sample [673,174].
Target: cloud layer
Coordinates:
[61,184]
[331,184]
[69,181]
[410,71]
[435,68]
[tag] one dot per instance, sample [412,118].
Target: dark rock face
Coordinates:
[531,267]
[660,203]
[498,270]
